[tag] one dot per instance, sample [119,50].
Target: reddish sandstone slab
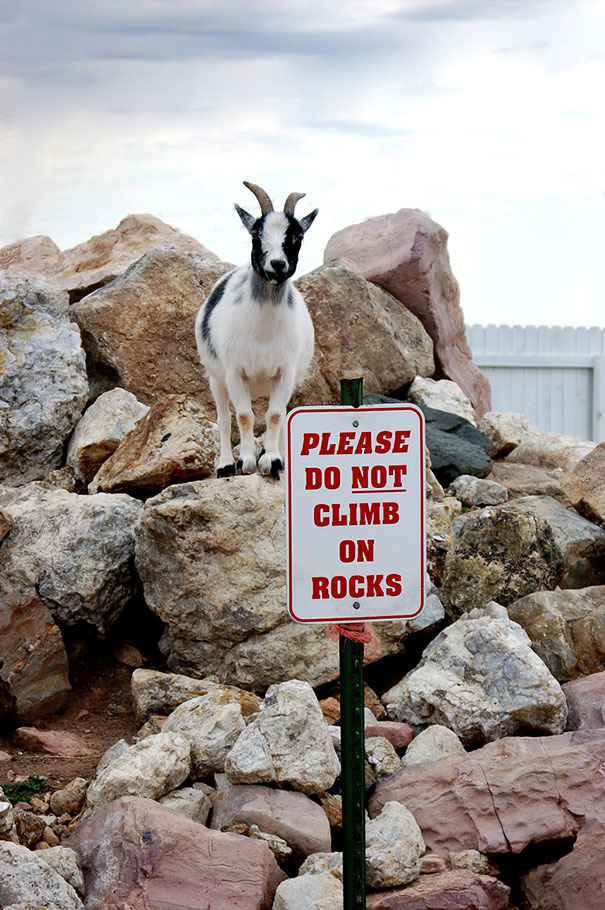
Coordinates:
[53,742]
[455,890]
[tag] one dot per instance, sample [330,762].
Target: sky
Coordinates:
[489,115]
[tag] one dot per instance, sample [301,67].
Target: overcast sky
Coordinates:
[487,114]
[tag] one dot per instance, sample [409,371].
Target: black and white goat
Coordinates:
[255,336]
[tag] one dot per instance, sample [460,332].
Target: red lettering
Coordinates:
[398,472]
[345,443]
[374,586]
[319,587]
[356,586]
[383,442]
[327,447]
[365,551]
[369,513]
[338,587]
[359,477]
[312,478]
[320,518]
[310,441]
[400,444]
[364,443]
[394,586]
[390,513]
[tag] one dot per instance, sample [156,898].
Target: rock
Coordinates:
[382,756]
[455,890]
[567,629]
[118,749]
[101,429]
[154,692]
[70,799]
[66,863]
[474,491]
[29,827]
[331,803]
[528,480]
[323,862]
[137,330]
[406,254]
[499,553]
[399,735]
[394,845]
[33,660]
[480,678]
[26,878]
[43,385]
[192,866]
[505,431]
[455,445]
[51,742]
[129,656]
[173,443]
[574,882]
[152,767]
[191,802]
[194,536]
[551,450]
[585,485]
[470,859]
[94,263]
[73,552]
[342,305]
[212,723]
[440,534]
[287,742]
[580,541]
[321,891]
[442,394]
[7,819]
[432,744]
[585,702]
[279,848]
[289,815]
[432,864]
[501,798]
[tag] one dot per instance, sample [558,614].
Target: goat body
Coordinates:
[255,336]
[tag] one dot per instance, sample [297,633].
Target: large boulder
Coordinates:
[33,661]
[25,879]
[502,798]
[456,889]
[154,692]
[212,723]
[138,330]
[585,485]
[360,330]
[43,384]
[173,442]
[585,701]
[480,678]
[550,450]
[499,553]
[136,853]
[442,395]
[406,254]
[288,743]
[211,555]
[89,265]
[567,629]
[394,846]
[456,446]
[529,480]
[574,882]
[73,552]
[505,431]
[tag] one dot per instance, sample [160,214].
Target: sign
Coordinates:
[355,513]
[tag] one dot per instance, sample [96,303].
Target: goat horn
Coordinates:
[265,203]
[291,202]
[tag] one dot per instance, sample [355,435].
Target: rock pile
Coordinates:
[485,737]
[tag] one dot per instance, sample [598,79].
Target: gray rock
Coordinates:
[43,384]
[323,862]
[74,552]
[443,395]
[476,491]
[111,754]
[455,445]
[191,802]
[470,859]
[152,767]
[394,845]
[26,878]
[432,744]
[66,863]
[382,756]
[212,723]
[505,431]
[288,742]
[480,678]
[154,692]
[320,891]
[101,429]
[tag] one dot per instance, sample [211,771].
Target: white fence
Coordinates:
[555,376]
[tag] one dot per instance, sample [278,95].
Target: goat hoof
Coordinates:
[270,467]
[246,465]
[227,471]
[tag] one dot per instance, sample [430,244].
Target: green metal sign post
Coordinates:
[352,737]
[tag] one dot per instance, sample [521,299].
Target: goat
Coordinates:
[255,337]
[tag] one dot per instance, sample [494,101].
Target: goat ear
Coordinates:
[247,219]
[308,220]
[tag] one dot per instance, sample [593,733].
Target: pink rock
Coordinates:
[406,254]
[292,816]
[509,794]
[455,890]
[136,853]
[398,734]
[574,882]
[53,742]
[585,702]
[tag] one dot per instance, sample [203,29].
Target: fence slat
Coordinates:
[554,375]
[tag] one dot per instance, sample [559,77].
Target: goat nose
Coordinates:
[278,265]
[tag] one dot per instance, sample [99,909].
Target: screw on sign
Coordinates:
[355,513]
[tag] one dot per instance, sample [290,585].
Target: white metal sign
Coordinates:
[355,513]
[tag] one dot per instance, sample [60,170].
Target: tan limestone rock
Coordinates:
[406,254]
[585,485]
[551,450]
